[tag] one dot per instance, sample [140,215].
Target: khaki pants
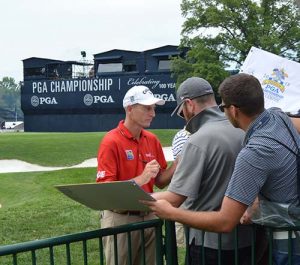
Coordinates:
[111,219]
[180,234]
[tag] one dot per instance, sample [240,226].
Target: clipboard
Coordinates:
[116,195]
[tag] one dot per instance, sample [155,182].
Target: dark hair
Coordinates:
[243,91]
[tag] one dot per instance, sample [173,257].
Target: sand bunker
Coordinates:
[14,165]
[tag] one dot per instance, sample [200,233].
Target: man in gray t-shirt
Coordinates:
[204,169]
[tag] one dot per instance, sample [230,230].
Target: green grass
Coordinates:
[32,208]
[50,149]
[59,149]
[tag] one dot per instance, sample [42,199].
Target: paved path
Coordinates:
[13,165]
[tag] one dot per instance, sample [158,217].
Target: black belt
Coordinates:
[125,212]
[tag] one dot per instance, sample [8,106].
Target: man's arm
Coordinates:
[246,218]
[296,122]
[175,199]
[221,221]
[165,176]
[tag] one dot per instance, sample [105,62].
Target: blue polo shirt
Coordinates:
[265,167]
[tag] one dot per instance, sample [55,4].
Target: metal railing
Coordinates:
[58,250]
[262,246]
[87,248]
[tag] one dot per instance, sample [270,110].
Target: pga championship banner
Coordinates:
[279,77]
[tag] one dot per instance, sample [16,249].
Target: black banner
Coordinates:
[99,94]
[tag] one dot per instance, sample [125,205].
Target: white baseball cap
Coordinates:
[141,95]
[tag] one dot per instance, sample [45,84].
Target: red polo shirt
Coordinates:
[122,157]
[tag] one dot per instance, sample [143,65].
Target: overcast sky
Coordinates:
[61,29]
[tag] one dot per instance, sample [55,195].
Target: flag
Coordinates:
[279,77]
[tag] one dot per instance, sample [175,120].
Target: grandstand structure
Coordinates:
[77,96]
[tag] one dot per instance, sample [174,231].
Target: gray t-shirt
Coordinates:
[206,164]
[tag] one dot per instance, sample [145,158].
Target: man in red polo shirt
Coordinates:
[130,152]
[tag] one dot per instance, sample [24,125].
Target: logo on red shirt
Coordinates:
[100,174]
[129,154]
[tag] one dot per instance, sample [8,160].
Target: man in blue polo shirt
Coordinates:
[266,168]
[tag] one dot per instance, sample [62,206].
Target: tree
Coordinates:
[220,33]
[10,99]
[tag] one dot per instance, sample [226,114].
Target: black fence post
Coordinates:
[170,243]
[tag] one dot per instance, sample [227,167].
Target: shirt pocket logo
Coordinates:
[129,154]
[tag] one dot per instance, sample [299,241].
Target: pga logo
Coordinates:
[88,99]
[166,97]
[35,101]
